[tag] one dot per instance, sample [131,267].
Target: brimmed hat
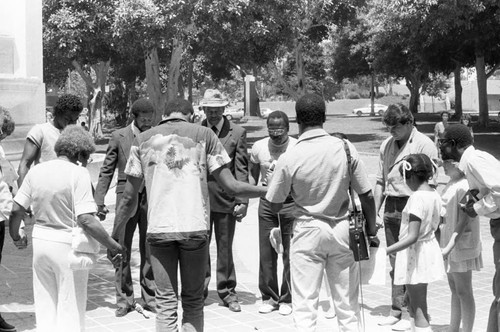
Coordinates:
[213,98]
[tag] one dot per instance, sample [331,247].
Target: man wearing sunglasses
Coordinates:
[482,172]
[263,158]
[405,139]
[225,209]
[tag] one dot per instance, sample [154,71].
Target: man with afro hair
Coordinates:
[482,172]
[316,173]
[39,145]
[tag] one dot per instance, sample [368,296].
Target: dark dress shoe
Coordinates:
[234,306]
[150,309]
[120,312]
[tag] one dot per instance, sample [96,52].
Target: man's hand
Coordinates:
[240,211]
[102,211]
[22,242]
[116,257]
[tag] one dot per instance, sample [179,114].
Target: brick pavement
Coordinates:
[16,302]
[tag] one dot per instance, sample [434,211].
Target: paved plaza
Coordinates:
[17,299]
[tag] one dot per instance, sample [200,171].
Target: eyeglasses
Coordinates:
[276,132]
[443,141]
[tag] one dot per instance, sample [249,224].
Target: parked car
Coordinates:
[265,111]
[235,113]
[379,110]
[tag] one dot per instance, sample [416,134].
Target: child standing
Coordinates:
[461,243]
[418,259]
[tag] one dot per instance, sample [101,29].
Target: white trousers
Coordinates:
[60,293]
[318,247]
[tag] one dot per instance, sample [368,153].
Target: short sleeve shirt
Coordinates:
[391,156]
[174,159]
[48,189]
[44,136]
[315,172]
[265,153]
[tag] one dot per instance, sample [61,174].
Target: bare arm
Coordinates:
[368,207]
[126,206]
[15,219]
[457,232]
[379,196]
[30,154]
[254,173]
[237,188]
[95,229]
[413,230]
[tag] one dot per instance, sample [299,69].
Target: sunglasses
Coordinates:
[276,132]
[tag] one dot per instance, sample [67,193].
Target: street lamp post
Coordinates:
[372,88]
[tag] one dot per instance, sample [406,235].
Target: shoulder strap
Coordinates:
[349,170]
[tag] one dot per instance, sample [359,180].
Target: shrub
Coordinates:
[353,95]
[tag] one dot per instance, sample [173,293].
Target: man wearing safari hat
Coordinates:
[225,209]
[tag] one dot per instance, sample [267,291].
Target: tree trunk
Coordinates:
[174,69]
[156,96]
[414,86]
[482,89]
[190,81]
[458,92]
[299,63]
[96,89]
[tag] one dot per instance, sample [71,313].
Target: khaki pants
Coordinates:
[319,246]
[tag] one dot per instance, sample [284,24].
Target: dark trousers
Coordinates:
[123,275]
[494,317]
[190,257]
[392,223]
[223,226]
[2,237]
[268,258]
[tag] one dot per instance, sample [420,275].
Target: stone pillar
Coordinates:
[22,90]
[251,97]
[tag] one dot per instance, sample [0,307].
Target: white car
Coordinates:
[234,113]
[379,110]
[265,111]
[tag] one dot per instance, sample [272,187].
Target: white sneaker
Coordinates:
[285,309]
[267,307]
[402,325]
[389,320]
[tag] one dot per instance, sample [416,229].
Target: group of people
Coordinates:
[179,183]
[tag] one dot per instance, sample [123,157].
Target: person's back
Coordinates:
[175,162]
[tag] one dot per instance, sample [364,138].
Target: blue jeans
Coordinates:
[191,256]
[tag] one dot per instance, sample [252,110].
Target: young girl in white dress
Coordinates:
[461,243]
[418,259]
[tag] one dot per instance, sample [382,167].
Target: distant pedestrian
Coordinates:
[418,257]
[481,170]
[391,191]
[461,248]
[466,120]
[60,193]
[264,155]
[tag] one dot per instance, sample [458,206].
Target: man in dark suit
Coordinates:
[225,210]
[116,158]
